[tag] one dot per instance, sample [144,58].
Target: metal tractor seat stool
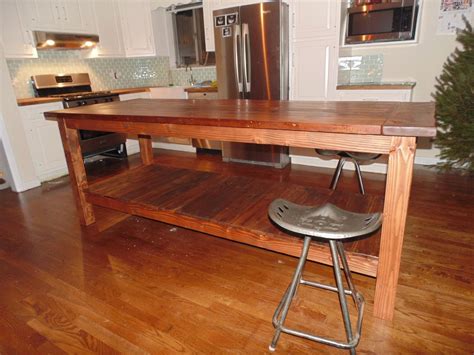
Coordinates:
[343,157]
[335,225]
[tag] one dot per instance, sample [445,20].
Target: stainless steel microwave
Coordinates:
[377,21]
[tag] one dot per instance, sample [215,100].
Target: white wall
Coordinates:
[12,135]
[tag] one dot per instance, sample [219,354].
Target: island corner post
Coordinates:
[400,149]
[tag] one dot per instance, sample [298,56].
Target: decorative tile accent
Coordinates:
[360,69]
[182,77]
[105,73]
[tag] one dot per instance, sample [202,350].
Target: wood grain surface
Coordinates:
[231,207]
[142,286]
[324,116]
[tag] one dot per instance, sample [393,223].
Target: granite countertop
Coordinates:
[44,100]
[384,85]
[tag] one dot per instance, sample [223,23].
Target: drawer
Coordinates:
[202,95]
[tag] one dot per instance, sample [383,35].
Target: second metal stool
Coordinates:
[343,157]
[333,224]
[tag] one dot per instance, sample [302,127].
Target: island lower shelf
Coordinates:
[231,207]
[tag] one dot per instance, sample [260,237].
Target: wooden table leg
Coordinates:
[146,150]
[397,193]
[77,172]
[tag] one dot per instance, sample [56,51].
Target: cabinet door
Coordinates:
[42,15]
[109,30]
[136,27]
[17,41]
[208,6]
[313,70]
[316,18]
[77,16]
[44,142]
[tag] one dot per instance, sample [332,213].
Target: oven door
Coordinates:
[381,22]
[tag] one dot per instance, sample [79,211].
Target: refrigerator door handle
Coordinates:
[237,48]
[246,56]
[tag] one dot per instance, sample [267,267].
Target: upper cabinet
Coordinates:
[137,28]
[208,6]
[315,18]
[17,40]
[314,27]
[59,15]
[109,29]
[124,26]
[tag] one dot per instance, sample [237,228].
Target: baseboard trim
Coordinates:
[23,186]
[173,146]
[379,168]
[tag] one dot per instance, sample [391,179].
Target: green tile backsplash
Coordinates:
[105,73]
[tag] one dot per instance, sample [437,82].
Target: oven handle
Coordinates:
[382,6]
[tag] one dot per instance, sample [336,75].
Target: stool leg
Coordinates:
[359,176]
[341,293]
[356,296]
[285,303]
[337,173]
[347,271]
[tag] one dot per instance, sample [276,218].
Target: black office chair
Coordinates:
[343,157]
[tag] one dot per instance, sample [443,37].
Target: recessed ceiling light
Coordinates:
[50,42]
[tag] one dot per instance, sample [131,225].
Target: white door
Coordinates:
[313,72]
[136,27]
[108,27]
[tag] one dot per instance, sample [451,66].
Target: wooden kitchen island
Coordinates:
[235,207]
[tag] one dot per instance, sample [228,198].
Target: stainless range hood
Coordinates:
[56,40]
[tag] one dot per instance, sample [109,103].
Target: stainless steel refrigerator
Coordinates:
[252,63]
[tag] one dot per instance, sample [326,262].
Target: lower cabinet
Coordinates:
[44,141]
[374,95]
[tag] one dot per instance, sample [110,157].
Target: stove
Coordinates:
[75,90]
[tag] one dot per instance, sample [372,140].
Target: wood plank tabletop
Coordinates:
[375,118]
[231,207]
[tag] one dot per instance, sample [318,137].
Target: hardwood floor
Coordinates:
[132,285]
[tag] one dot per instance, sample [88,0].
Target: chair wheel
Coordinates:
[271,348]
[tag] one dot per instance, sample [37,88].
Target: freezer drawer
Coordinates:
[259,154]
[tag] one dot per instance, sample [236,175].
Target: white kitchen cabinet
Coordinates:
[374,95]
[109,29]
[16,39]
[208,6]
[315,18]
[137,28]
[60,15]
[314,46]
[44,141]
[314,74]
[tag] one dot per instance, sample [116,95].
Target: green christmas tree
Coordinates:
[454,98]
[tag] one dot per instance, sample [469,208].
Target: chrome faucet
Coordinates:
[191,81]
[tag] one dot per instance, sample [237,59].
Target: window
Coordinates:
[189,39]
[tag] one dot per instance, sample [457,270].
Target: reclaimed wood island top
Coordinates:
[378,118]
[184,197]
